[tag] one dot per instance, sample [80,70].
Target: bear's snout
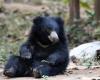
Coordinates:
[53,37]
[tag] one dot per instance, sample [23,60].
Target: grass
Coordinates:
[13,28]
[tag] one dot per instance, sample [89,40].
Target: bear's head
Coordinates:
[48,30]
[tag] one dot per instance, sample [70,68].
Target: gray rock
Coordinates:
[87,50]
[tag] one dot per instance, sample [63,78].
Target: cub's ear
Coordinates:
[59,20]
[37,20]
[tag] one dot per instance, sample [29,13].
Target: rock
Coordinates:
[87,50]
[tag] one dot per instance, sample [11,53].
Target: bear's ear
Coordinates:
[37,20]
[59,20]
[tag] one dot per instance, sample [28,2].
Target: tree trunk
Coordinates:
[97,9]
[74,7]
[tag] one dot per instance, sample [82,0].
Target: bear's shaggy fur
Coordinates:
[44,53]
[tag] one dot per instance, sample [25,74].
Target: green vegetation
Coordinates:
[14,25]
[13,28]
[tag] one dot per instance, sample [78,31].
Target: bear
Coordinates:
[44,53]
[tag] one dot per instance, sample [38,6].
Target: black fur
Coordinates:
[40,54]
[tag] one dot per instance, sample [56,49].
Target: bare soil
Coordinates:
[73,73]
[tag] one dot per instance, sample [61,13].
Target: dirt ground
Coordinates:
[73,73]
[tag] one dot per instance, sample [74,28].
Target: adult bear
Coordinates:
[44,53]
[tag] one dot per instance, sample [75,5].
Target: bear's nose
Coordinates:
[53,37]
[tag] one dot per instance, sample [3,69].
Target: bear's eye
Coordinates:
[48,30]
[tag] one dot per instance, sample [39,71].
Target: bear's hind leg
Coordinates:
[15,67]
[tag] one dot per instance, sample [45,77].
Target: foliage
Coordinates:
[77,35]
[85,4]
[65,1]
[13,27]
[15,24]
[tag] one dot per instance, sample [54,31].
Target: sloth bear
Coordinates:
[44,53]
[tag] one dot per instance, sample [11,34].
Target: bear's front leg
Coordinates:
[41,70]
[58,57]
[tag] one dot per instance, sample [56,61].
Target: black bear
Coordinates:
[44,53]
